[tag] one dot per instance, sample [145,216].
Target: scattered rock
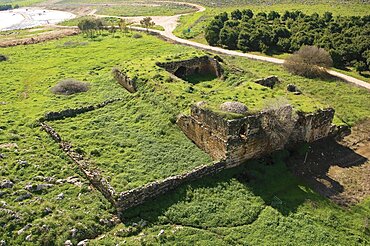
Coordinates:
[23,163]
[60,196]
[25,228]
[2,156]
[68,243]
[294,89]
[73,232]
[2,193]
[3,58]
[83,243]
[2,243]
[47,211]
[268,82]
[201,103]
[234,107]
[161,232]
[6,184]
[9,146]
[23,197]
[3,204]
[29,237]
[38,187]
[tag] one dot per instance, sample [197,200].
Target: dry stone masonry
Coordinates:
[124,80]
[199,65]
[245,138]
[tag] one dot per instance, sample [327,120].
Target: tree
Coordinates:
[88,26]
[236,15]
[273,15]
[328,16]
[309,61]
[124,25]
[244,40]
[147,23]
[212,32]
[229,37]
[360,66]
[247,13]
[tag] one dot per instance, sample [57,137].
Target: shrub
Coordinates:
[309,61]
[234,107]
[69,87]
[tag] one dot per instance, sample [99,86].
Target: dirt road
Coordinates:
[169,24]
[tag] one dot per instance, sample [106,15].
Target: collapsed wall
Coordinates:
[124,80]
[246,138]
[203,65]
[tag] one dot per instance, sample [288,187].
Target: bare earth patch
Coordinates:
[338,170]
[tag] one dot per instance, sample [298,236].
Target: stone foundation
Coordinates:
[124,80]
[201,65]
[239,140]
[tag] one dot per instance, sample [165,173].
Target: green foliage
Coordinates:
[347,38]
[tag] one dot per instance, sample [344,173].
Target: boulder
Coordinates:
[234,107]
[268,82]
[294,89]
[6,184]
[38,187]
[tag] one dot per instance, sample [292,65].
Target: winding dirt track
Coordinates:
[169,24]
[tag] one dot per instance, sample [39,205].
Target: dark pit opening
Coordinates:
[181,72]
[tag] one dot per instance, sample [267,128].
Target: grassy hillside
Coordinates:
[135,135]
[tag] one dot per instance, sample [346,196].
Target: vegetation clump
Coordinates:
[309,61]
[69,87]
[345,38]
[234,107]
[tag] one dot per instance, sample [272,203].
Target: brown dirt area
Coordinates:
[43,37]
[339,170]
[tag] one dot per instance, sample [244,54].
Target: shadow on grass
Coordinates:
[320,156]
[268,178]
[199,78]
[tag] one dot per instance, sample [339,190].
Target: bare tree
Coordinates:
[309,61]
[278,122]
[147,23]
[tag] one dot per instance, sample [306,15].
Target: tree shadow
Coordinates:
[279,185]
[314,164]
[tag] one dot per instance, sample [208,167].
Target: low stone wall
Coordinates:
[92,174]
[242,139]
[50,116]
[124,80]
[139,195]
[198,65]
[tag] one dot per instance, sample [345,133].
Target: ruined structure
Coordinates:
[245,138]
[204,65]
[268,82]
[124,80]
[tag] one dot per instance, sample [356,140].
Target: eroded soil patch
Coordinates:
[338,170]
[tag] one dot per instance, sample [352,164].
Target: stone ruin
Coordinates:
[124,80]
[245,138]
[268,82]
[203,65]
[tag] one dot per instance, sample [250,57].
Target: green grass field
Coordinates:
[127,141]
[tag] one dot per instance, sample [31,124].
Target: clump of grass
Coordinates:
[69,87]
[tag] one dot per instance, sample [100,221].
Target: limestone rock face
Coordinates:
[234,107]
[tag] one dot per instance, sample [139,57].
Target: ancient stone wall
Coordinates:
[199,65]
[140,195]
[242,139]
[124,80]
